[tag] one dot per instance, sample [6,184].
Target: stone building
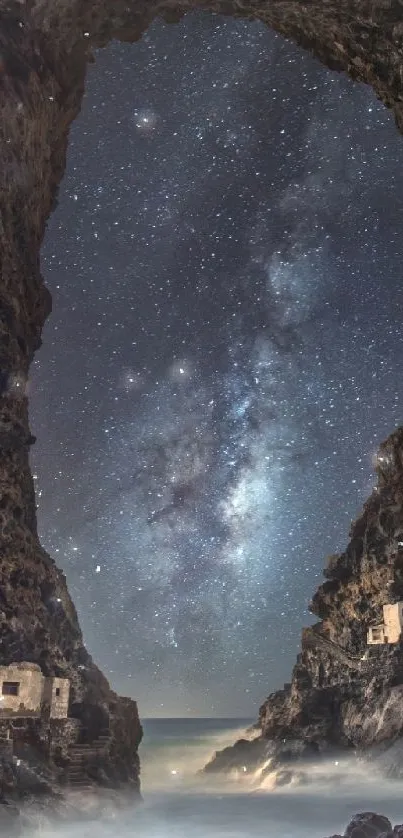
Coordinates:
[390,630]
[24,690]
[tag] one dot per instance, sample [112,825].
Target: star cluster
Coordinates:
[223,356]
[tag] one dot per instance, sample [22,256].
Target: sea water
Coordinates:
[179,803]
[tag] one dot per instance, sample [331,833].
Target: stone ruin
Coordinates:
[24,690]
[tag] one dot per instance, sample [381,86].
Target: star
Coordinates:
[222,358]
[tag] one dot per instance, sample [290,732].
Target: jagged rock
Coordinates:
[368,825]
[345,695]
[252,753]
[45,46]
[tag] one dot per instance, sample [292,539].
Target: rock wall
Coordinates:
[344,694]
[45,46]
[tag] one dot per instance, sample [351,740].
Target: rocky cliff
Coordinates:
[45,46]
[371,825]
[343,693]
[41,82]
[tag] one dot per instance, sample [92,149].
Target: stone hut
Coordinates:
[391,629]
[24,690]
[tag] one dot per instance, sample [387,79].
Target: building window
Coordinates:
[57,691]
[10,688]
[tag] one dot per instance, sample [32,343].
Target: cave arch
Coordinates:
[45,47]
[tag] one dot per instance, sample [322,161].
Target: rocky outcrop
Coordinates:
[371,825]
[344,694]
[45,46]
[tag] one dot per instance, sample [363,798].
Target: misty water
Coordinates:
[178,803]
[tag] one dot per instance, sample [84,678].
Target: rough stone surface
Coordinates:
[41,86]
[337,699]
[370,825]
[45,46]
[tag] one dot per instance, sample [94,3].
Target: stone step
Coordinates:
[81,784]
[80,748]
[83,749]
[81,760]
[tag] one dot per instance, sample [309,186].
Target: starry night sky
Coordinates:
[223,357]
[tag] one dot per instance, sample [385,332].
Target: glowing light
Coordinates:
[145,119]
[131,380]
[180,371]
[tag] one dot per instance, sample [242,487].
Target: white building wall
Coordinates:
[392,616]
[33,692]
[60,694]
[30,681]
[376,635]
[391,629]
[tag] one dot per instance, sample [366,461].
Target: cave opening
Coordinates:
[178,234]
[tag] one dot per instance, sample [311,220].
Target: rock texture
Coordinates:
[371,825]
[343,694]
[45,46]
[41,84]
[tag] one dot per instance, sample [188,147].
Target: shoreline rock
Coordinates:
[371,825]
[344,695]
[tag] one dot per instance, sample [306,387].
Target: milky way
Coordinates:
[223,356]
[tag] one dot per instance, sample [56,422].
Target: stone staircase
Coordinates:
[312,637]
[379,659]
[81,756]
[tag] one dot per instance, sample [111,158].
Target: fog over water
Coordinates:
[179,804]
